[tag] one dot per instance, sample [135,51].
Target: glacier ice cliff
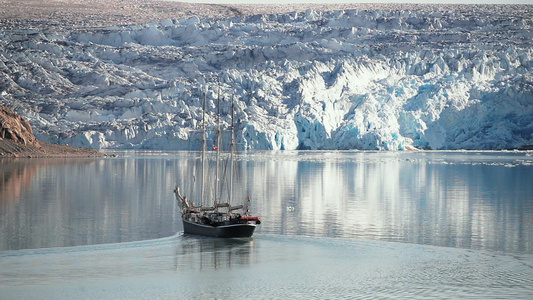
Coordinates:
[443,77]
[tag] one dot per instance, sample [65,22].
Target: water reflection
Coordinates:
[449,199]
[197,253]
[466,200]
[56,203]
[16,176]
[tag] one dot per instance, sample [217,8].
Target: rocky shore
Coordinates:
[17,140]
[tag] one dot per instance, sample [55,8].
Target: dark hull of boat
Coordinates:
[222,231]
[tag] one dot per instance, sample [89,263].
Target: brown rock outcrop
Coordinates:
[17,140]
[15,128]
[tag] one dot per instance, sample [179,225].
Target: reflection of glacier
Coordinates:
[86,201]
[438,78]
[469,200]
[458,200]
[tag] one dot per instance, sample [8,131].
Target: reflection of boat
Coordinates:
[221,219]
[195,252]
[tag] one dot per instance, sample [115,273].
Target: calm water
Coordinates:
[335,225]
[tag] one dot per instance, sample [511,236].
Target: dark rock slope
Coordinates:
[17,140]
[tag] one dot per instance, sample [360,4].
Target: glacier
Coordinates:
[435,77]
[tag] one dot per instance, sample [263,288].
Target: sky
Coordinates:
[362,1]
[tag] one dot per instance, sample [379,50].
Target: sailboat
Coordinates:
[221,219]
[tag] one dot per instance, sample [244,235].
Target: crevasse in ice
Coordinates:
[355,79]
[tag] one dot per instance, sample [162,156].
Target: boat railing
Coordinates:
[232,208]
[204,208]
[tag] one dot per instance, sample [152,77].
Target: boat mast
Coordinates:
[203,152]
[217,149]
[232,150]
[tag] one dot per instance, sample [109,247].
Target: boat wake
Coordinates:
[269,266]
[54,265]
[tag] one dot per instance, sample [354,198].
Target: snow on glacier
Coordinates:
[445,77]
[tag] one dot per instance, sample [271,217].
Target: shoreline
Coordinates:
[10,149]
